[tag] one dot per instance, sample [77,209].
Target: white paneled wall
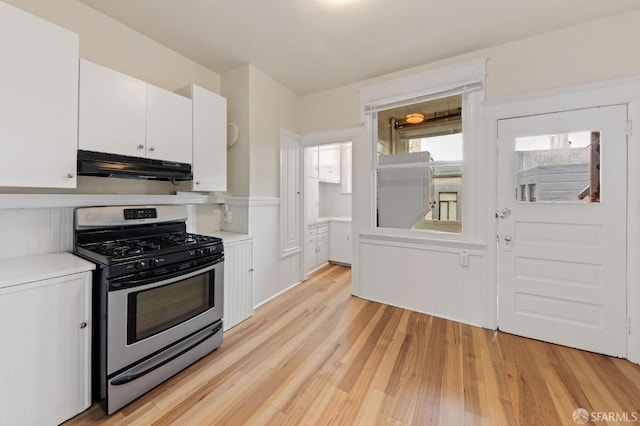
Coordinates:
[273,275]
[35,231]
[238,283]
[425,279]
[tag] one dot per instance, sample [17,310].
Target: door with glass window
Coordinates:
[562,228]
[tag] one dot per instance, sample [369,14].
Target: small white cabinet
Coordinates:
[340,246]
[38,101]
[45,330]
[316,248]
[238,281]
[209,139]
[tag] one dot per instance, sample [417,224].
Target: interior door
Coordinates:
[562,228]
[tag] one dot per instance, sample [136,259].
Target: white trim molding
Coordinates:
[37,201]
[432,81]
[329,136]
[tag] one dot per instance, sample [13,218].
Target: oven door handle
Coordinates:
[152,282]
[163,358]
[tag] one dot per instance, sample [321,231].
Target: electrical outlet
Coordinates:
[229,217]
[463,258]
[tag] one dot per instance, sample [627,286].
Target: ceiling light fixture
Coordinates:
[414,118]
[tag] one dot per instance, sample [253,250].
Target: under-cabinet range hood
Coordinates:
[92,163]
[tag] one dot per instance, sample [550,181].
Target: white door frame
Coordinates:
[611,92]
[325,137]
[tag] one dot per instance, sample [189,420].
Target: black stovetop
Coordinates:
[136,243]
[122,248]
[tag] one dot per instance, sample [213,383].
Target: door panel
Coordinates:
[562,228]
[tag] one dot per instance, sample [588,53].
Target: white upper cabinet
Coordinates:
[311,161]
[209,139]
[169,132]
[38,101]
[112,111]
[122,115]
[329,163]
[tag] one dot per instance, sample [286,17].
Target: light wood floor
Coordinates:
[317,355]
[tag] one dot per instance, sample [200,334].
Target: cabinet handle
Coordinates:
[152,148]
[197,182]
[70,175]
[251,270]
[83,324]
[140,147]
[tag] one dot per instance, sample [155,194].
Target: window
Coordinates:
[560,168]
[420,168]
[427,162]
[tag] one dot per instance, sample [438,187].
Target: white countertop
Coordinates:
[343,219]
[324,220]
[28,269]
[230,237]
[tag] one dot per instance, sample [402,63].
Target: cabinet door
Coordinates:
[38,101]
[45,361]
[168,125]
[112,111]
[238,283]
[323,250]
[311,199]
[329,163]
[340,242]
[311,161]
[310,256]
[209,140]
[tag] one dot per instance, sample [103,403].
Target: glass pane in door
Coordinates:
[560,168]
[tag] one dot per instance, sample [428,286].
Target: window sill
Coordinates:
[417,240]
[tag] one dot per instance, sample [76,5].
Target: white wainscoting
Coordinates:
[426,279]
[272,275]
[26,232]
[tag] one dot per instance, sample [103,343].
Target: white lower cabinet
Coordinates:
[45,330]
[238,282]
[340,246]
[316,248]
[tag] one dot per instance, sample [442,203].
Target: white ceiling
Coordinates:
[313,45]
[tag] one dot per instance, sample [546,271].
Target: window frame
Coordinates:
[467,79]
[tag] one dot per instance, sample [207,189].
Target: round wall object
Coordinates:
[232,134]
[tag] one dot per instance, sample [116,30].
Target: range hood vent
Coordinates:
[92,163]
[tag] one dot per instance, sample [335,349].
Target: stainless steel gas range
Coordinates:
[157,296]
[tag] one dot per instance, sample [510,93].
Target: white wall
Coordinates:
[260,106]
[272,107]
[235,87]
[598,50]
[333,203]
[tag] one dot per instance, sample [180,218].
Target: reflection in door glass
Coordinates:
[562,168]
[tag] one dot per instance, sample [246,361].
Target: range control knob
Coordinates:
[199,252]
[209,250]
[140,265]
[153,262]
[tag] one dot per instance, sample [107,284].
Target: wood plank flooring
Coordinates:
[317,355]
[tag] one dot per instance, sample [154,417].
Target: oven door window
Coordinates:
[158,309]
